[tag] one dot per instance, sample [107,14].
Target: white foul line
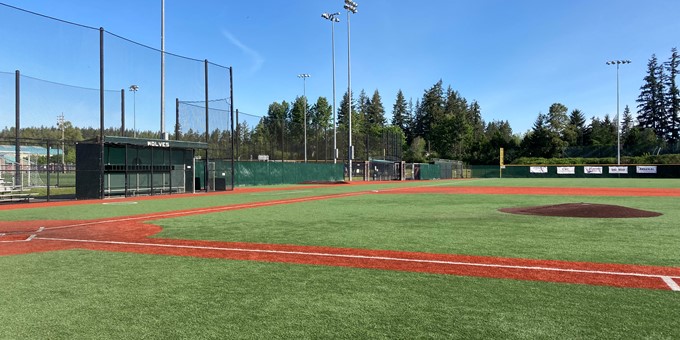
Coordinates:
[669,280]
[671,283]
[29,238]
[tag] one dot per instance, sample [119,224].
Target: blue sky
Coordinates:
[515,58]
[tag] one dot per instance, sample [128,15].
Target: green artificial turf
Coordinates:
[99,295]
[104,208]
[455,224]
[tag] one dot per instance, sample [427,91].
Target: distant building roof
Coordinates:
[28,150]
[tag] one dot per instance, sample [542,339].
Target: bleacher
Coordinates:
[8,193]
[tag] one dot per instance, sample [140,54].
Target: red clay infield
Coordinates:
[131,234]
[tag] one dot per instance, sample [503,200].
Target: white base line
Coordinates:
[34,235]
[666,279]
[29,238]
[671,283]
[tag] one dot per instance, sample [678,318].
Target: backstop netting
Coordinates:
[63,83]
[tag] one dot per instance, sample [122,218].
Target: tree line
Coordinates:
[444,124]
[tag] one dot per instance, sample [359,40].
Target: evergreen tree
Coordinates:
[499,135]
[418,125]
[400,112]
[374,122]
[297,119]
[452,137]
[476,136]
[672,97]
[277,115]
[375,112]
[576,128]
[640,140]
[557,122]
[276,125]
[343,108]
[321,114]
[410,122]
[431,109]
[627,122]
[651,113]
[536,143]
[557,118]
[603,132]
[416,151]
[363,102]
[663,130]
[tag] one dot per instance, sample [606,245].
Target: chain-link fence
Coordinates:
[626,150]
[272,138]
[37,169]
[83,84]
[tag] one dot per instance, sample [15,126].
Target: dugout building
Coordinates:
[135,166]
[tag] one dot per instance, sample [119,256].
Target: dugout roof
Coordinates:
[155,142]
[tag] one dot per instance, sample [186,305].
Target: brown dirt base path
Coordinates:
[131,234]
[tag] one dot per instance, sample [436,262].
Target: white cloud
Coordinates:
[256,58]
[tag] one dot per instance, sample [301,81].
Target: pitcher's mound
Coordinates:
[586,210]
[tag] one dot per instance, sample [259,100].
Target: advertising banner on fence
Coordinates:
[592,170]
[646,169]
[538,169]
[618,170]
[566,170]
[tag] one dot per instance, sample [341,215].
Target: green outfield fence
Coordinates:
[576,171]
[271,173]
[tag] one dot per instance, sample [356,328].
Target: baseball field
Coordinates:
[468,259]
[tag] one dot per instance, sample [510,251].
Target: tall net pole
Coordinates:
[351,7]
[163,136]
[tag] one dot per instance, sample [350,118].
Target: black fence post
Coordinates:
[231,108]
[177,127]
[47,168]
[237,130]
[207,129]
[17,128]
[122,112]
[101,112]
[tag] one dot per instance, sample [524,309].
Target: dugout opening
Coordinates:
[136,166]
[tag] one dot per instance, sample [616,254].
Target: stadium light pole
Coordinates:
[134,89]
[351,8]
[163,134]
[332,17]
[618,123]
[304,77]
